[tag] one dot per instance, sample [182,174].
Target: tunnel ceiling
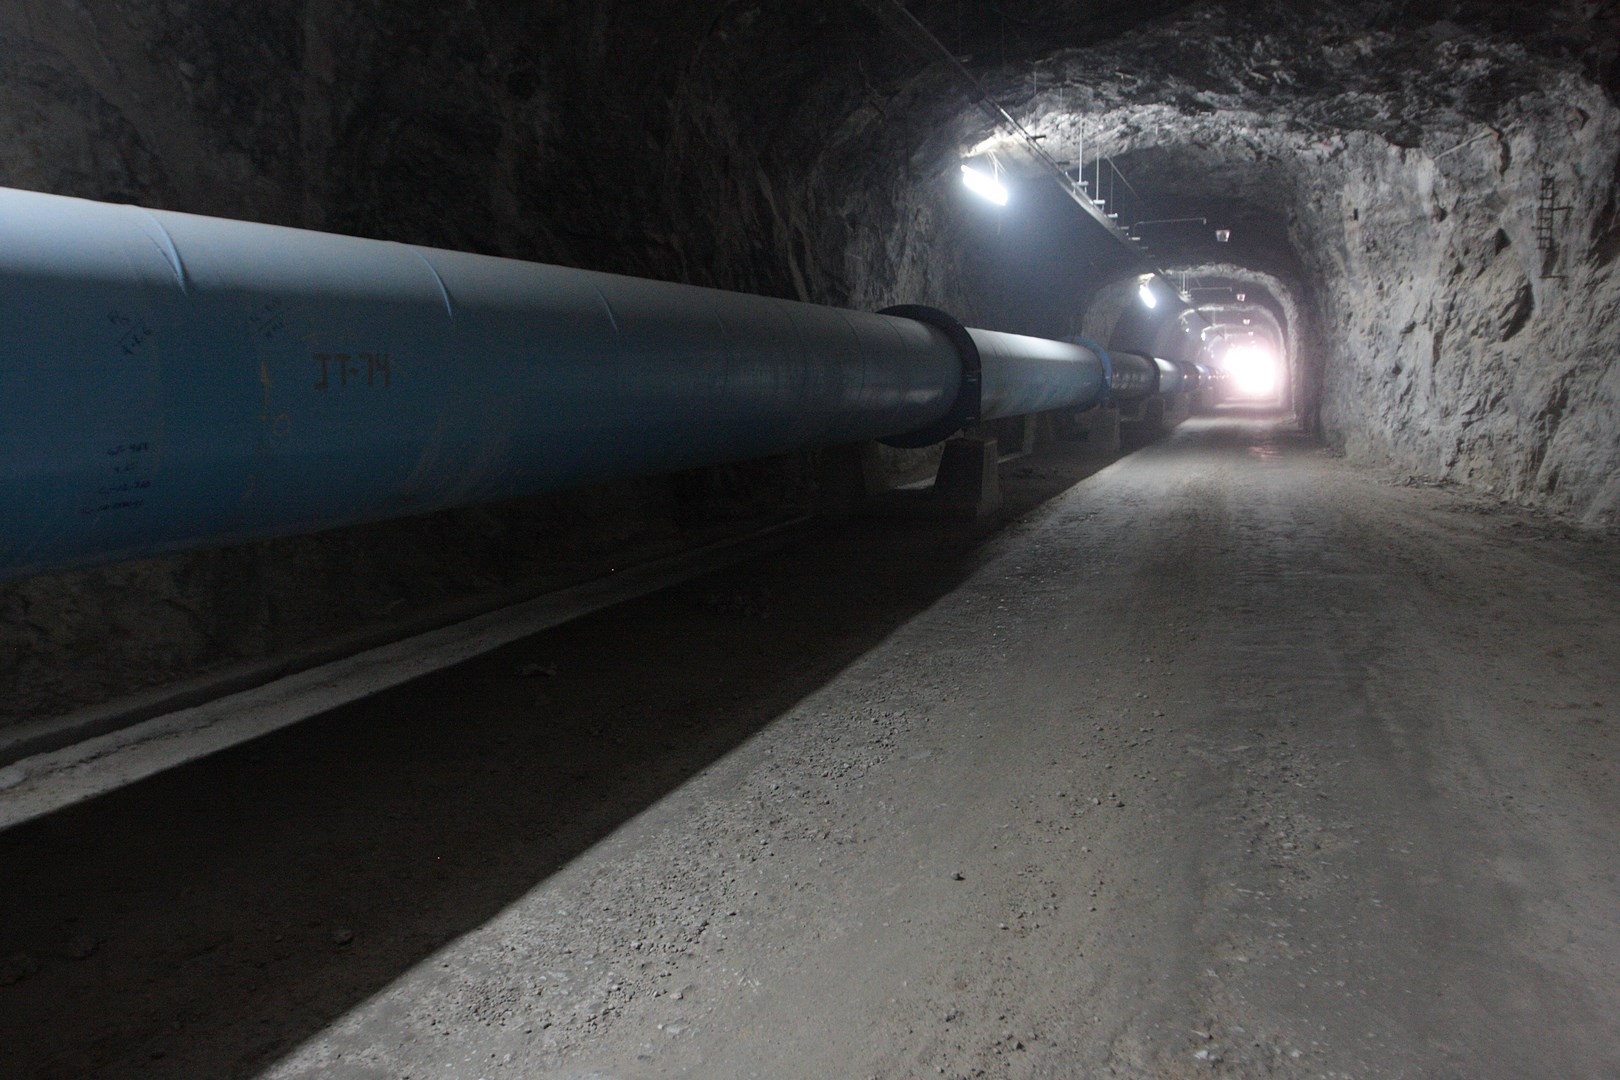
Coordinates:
[1224,110]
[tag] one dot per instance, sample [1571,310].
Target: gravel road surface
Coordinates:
[1229,760]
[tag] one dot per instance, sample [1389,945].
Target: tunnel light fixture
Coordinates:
[1035,143]
[983,184]
[1223,236]
[1242,297]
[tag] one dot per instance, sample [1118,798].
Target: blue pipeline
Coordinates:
[1131,376]
[1102,355]
[1172,380]
[169,381]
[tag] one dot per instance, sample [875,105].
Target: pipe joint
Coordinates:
[965,409]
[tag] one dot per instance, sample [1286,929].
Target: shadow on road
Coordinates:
[204,922]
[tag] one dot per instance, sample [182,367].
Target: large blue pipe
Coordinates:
[171,381]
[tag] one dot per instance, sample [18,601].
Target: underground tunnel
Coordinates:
[1054,538]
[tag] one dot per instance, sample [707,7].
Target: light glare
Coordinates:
[1253,369]
[1145,291]
[983,185]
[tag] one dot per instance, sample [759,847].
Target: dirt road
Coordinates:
[1231,760]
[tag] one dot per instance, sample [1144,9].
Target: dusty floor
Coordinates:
[1231,760]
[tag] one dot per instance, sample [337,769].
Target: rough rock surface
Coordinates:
[1389,163]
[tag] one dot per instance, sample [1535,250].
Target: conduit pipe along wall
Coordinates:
[171,381]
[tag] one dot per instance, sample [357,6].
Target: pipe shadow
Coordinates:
[205,921]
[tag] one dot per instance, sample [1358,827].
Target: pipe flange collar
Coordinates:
[965,409]
[1107,364]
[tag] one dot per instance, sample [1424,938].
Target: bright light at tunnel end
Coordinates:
[1253,370]
[984,185]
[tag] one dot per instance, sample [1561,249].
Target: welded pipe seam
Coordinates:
[965,407]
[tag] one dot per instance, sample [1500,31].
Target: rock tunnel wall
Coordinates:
[1465,346]
[1436,184]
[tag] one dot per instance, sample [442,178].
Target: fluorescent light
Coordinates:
[1145,291]
[984,185]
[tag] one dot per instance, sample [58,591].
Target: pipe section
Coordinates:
[172,381]
[1024,375]
[1171,379]
[1133,376]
